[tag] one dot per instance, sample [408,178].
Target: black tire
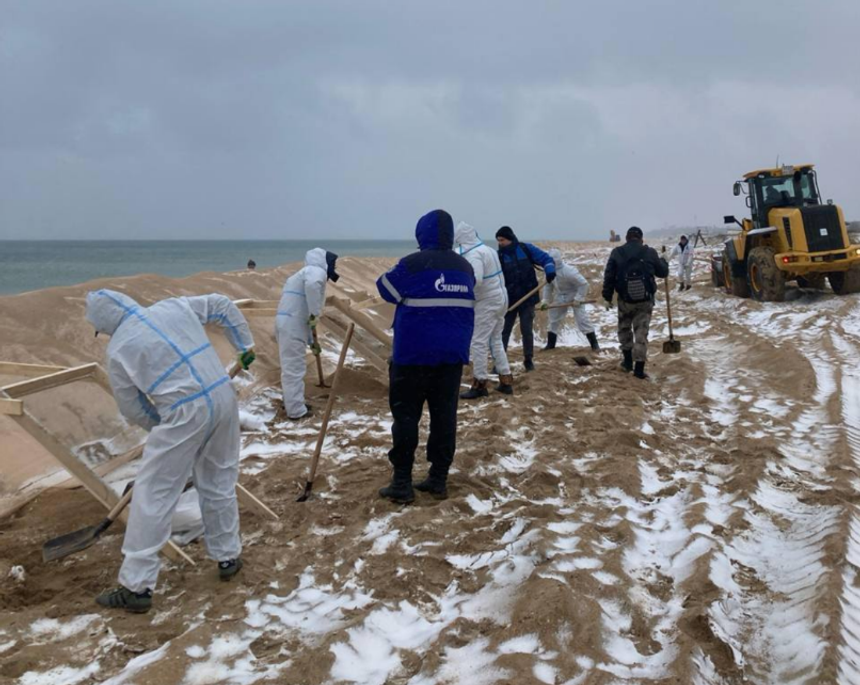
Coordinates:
[811,281]
[845,282]
[767,283]
[716,275]
[736,286]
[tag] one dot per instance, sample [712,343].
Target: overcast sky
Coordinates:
[249,119]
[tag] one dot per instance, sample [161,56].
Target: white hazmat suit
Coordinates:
[569,286]
[303,295]
[491,302]
[167,378]
[685,254]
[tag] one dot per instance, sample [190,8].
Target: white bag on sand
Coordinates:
[187,519]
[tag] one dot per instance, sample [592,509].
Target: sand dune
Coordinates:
[698,528]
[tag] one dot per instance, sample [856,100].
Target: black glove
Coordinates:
[550,276]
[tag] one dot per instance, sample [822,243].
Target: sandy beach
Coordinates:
[701,527]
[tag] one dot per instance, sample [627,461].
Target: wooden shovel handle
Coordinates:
[525,297]
[668,308]
[122,504]
[319,361]
[330,404]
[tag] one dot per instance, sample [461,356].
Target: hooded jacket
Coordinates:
[434,290]
[304,291]
[569,284]
[684,253]
[159,358]
[518,261]
[614,276]
[489,279]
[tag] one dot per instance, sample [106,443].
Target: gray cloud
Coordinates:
[271,119]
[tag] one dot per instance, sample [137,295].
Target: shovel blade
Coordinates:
[306,493]
[70,543]
[672,347]
[582,361]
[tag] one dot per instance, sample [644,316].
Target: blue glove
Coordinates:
[550,276]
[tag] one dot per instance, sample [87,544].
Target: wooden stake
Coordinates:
[27,370]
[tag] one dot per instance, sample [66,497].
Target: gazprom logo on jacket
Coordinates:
[443,287]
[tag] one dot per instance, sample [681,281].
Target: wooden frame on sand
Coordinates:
[40,377]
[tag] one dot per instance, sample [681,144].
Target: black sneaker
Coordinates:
[123,598]
[228,569]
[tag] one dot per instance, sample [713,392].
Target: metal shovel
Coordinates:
[671,346]
[78,541]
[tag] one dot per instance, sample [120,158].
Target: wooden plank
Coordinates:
[362,320]
[27,370]
[11,407]
[364,350]
[245,497]
[245,305]
[254,313]
[367,304]
[23,388]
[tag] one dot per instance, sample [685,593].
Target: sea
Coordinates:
[27,265]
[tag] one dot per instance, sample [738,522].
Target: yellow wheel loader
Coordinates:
[790,236]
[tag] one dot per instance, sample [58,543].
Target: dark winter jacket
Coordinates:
[434,293]
[518,260]
[614,277]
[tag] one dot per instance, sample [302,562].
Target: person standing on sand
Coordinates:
[684,252]
[631,272]
[491,304]
[518,265]
[569,287]
[299,310]
[167,378]
[433,325]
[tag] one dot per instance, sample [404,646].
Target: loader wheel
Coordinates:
[767,283]
[845,282]
[716,276]
[734,286]
[812,281]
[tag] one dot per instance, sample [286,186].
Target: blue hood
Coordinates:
[435,231]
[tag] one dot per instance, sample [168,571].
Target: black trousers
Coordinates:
[411,387]
[526,313]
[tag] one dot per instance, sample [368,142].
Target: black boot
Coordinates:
[506,384]
[228,569]
[551,340]
[627,363]
[592,340]
[639,370]
[529,364]
[478,389]
[435,484]
[680,287]
[400,490]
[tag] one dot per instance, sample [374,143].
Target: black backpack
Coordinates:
[636,282]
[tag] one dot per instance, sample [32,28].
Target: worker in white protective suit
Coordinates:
[299,310]
[167,378]
[569,287]
[685,252]
[491,304]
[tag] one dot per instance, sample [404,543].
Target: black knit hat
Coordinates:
[507,233]
[635,233]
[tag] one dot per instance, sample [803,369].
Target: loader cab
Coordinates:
[777,188]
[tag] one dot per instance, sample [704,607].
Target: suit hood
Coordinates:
[435,231]
[555,253]
[316,257]
[107,309]
[465,236]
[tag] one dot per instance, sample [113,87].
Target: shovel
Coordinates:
[78,541]
[326,416]
[671,346]
[321,384]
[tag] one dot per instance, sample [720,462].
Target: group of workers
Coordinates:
[453,300]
